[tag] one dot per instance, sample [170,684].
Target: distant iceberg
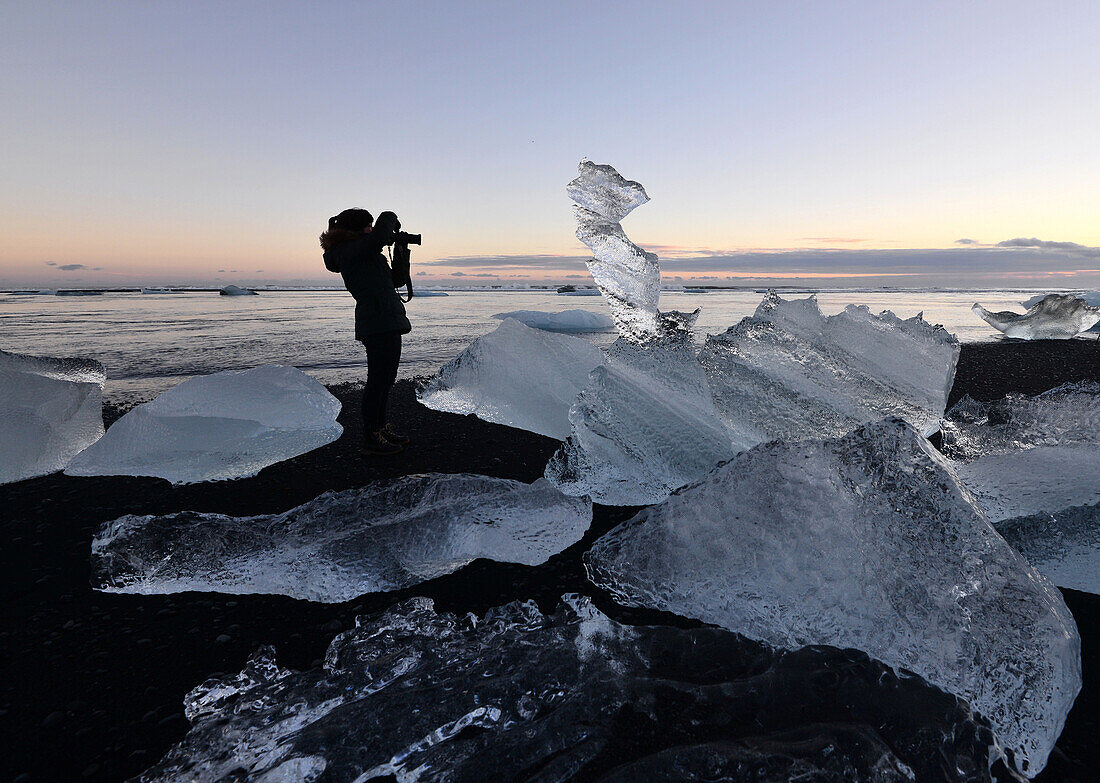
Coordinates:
[1054,317]
[420,695]
[50,410]
[518,376]
[380,537]
[223,426]
[565,321]
[865,541]
[233,290]
[422,292]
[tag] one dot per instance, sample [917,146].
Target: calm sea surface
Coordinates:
[150,342]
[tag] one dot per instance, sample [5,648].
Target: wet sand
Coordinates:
[93,683]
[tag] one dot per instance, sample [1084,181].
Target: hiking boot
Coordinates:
[393,436]
[376,445]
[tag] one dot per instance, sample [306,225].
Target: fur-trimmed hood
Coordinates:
[338,236]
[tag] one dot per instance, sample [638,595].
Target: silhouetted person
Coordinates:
[353,246]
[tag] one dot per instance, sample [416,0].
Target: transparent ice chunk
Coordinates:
[865,541]
[790,372]
[627,276]
[518,376]
[565,321]
[645,424]
[416,695]
[1064,546]
[657,417]
[1023,456]
[223,426]
[1054,317]
[340,545]
[50,410]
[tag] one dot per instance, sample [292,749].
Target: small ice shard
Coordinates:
[1022,456]
[789,372]
[1064,547]
[627,276]
[518,376]
[223,426]
[50,410]
[1054,317]
[416,695]
[865,541]
[376,538]
[644,425]
[233,290]
[565,321]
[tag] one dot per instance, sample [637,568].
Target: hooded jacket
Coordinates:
[378,307]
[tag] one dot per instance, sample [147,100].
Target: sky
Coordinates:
[822,143]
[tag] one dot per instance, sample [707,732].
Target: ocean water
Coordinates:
[150,342]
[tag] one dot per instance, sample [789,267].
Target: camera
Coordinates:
[407,239]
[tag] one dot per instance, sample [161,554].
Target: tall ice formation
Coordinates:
[627,276]
[223,426]
[50,410]
[340,545]
[864,541]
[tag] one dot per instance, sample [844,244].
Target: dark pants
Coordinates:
[383,356]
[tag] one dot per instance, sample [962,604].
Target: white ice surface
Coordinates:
[565,321]
[223,426]
[340,545]
[865,541]
[518,376]
[1053,317]
[50,410]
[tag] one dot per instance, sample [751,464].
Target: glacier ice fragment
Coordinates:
[342,544]
[644,425]
[414,694]
[236,290]
[1023,456]
[628,277]
[789,372]
[565,321]
[1064,546]
[223,426]
[864,541]
[50,410]
[656,417]
[518,376]
[1054,317]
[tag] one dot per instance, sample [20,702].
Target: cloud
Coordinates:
[966,241]
[832,240]
[51,263]
[548,262]
[458,274]
[259,272]
[418,274]
[71,267]
[1042,244]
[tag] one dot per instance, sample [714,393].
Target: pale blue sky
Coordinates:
[172,140]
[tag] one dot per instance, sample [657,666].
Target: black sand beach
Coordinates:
[93,683]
